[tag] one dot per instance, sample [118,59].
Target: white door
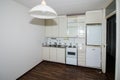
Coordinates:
[45,53]
[62,26]
[82,30]
[61,55]
[72,24]
[51,28]
[94,34]
[53,54]
[93,57]
[81,56]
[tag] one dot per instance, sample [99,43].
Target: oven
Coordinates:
[71,56]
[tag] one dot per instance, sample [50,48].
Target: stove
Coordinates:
[71,55]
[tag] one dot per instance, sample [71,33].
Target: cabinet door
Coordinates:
[62,26]
[82,18]
[61,55]
[76,26]
[45,53]
[81,56]
[53,54]
[81,26]
[82,30]
[51,28]
[94,17]
[93,57]
[73,26]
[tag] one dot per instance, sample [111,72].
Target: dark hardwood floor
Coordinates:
[55,71]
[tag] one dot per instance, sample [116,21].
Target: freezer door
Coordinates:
[94,34]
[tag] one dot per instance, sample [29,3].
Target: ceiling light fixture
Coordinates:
[43,11]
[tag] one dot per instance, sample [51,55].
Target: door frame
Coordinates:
[104,35]
[117,72]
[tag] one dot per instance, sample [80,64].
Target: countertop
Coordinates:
[58,46]
[55,46]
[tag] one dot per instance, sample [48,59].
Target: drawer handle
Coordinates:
[93,49]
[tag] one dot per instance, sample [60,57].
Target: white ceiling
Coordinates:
[63,7]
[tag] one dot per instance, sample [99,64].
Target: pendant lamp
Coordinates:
[43,11]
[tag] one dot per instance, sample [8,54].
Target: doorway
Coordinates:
[111,47]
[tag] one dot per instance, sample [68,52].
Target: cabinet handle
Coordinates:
[105,46]
[93,49]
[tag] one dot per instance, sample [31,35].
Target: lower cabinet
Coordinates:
[53,54]
[45,53]
[81,56]
[61,55]
[89,56]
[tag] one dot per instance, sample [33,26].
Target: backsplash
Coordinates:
[65,41]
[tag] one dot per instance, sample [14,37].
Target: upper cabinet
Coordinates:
[51,27]
[61,55]
[62,26]
[56,27]
[72,26]
[76,26]
[45,53]
[94,17]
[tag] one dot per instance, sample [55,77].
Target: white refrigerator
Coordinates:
[93,57]
[93,50]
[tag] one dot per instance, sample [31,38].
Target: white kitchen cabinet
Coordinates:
[82,18]
[94,17]
[62,26]
[72,26]
[51,28]
[61,55]
[53,54]
[93,57]
[94,34]
[82,30]
[76,25]
[81,56]
[45,53]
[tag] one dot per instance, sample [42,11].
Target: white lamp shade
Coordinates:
[43,12]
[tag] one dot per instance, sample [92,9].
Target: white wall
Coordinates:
[20,40]
[118,42]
